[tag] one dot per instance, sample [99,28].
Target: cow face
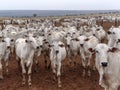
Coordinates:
[68,39]
[117,42]
[8,42]
[101,51]
[55,47]
[32,41]
[82,40]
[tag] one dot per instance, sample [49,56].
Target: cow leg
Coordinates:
[101,77]
[29,73]
[12,52]
[45,60]
[59,75]
[36,65]
[54,70]
[89,57]
[75,59]
[69,58]
[6,65]
[6,59]
[19,61]
[1,75]
[84,67]
[23,72]
[89,72]
[49,65]
[62,67]
[88,68]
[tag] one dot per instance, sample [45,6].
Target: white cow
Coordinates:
[113,35]
[107,62]
[86,44]
[25,49]
[99,32]
[4,53]
[40,40]
[57,55]
[72,49]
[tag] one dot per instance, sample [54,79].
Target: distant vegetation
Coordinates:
[34,15]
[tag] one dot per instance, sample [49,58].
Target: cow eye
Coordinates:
[34,36]
[49,34]
[12,40]
[113,32]
[97,52]
[3,40]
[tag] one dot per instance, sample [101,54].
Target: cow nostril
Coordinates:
[118,40]
[93,34]
[109,32]
[40,46]
[37,47]
[68,46]
[44,40]
[57,51]
[104,64]
[81,45]
[8,47]
[12,40]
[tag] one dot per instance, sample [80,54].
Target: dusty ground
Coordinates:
[42,80]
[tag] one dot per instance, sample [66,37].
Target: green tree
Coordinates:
[34,15]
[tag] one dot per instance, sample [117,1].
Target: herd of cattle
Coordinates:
[56,38]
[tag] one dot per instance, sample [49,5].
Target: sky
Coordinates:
[59,4]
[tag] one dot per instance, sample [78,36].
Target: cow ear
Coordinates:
[61,45]
[34,36]
[91,50]
[50,45]
[12,40]
[108,32]
[77,39]
[26,35]
[86,39]
[3,40]
[43,35]
[114,49]
[26,41]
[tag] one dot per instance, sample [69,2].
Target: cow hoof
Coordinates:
[94,69]
[49,67]
[74,63]
[29,83]
[36,71]
[59,86]
[8,74]
[83,74]
[1,77]
[23,83]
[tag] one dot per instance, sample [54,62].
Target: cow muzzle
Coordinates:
[81,45]
[68,46]
[8,47]
[37,47]
[57,51]
[40,46]
[104,64]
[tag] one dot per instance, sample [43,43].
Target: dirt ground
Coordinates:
[42,80]
[72,79]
